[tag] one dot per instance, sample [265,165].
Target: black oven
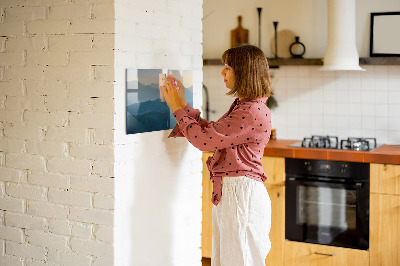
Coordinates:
[327,202]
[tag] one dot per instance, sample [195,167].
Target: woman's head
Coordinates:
[251,72]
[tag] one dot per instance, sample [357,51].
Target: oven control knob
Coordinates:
[343,168]
[308,166]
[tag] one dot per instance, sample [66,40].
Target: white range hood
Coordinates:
[341,51]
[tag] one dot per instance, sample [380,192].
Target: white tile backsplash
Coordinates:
[304,82]
[394,137]
[382,110]
[381,122]
[342,123]
[354,79]
[354,96]
[381,97]
[394,124]
[329,109]
[381,83]
[292,82]
[342,109]
[394,110]
[367,109]
[367,83]
[367,96]
[380,71]
[394,97]
[394,82]
[368,123]
[393,71]
[345,103]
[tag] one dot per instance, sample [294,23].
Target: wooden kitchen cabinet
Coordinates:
[305,254]
[206,225]
[384,237]
[277,233]
[274,168]
[385,178]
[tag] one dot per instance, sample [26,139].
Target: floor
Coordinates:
[206,261]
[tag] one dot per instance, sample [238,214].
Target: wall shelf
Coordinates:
[380,61]
[274,63]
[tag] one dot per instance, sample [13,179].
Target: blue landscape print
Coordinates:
[145,110]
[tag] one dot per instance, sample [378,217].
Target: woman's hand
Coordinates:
[171,94]
[181,91]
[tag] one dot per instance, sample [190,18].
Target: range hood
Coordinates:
[341,51]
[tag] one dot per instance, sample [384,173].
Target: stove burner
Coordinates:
[332,142]
[358,144]
[328,142]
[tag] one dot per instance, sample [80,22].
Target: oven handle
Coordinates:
[357,185]
[324,254]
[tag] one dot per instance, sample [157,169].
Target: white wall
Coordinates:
[344,103]
[56,132]
[158,180]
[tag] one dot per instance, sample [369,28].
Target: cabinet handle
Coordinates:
[324,254]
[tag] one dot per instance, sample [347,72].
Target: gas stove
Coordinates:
[332,142]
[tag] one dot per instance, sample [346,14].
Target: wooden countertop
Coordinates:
[389,154]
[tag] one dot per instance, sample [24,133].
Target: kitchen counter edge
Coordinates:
[385,154]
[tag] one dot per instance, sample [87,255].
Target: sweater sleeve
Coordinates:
[231,130]
[193,113]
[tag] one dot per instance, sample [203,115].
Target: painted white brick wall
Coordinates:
[158,180]
[313,102]
[56,132]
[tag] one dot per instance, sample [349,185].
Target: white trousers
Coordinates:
[241,223]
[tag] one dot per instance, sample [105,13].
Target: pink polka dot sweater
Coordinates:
[238,139]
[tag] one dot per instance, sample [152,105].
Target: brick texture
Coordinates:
[47,240]
[25,250]
[24,221]
[56,121]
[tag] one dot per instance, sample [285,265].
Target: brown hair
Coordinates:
[250,66]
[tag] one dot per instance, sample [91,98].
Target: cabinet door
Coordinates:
[384,229]
[274,168]
[304,254]
[277,233]
[206,226]
[385,178]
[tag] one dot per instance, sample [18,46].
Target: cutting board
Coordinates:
[239,35]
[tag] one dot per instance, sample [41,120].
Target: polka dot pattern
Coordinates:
[238,139]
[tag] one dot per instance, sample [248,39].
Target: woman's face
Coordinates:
[229,76]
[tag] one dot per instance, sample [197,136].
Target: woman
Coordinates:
[242,208]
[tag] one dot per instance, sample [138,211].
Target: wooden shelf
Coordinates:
[380,61]
[274,63]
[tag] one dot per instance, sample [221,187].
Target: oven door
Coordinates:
[327,213]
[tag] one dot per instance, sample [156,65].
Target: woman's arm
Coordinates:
[237,128]
[193,113]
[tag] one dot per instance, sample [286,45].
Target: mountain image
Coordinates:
[148,113]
